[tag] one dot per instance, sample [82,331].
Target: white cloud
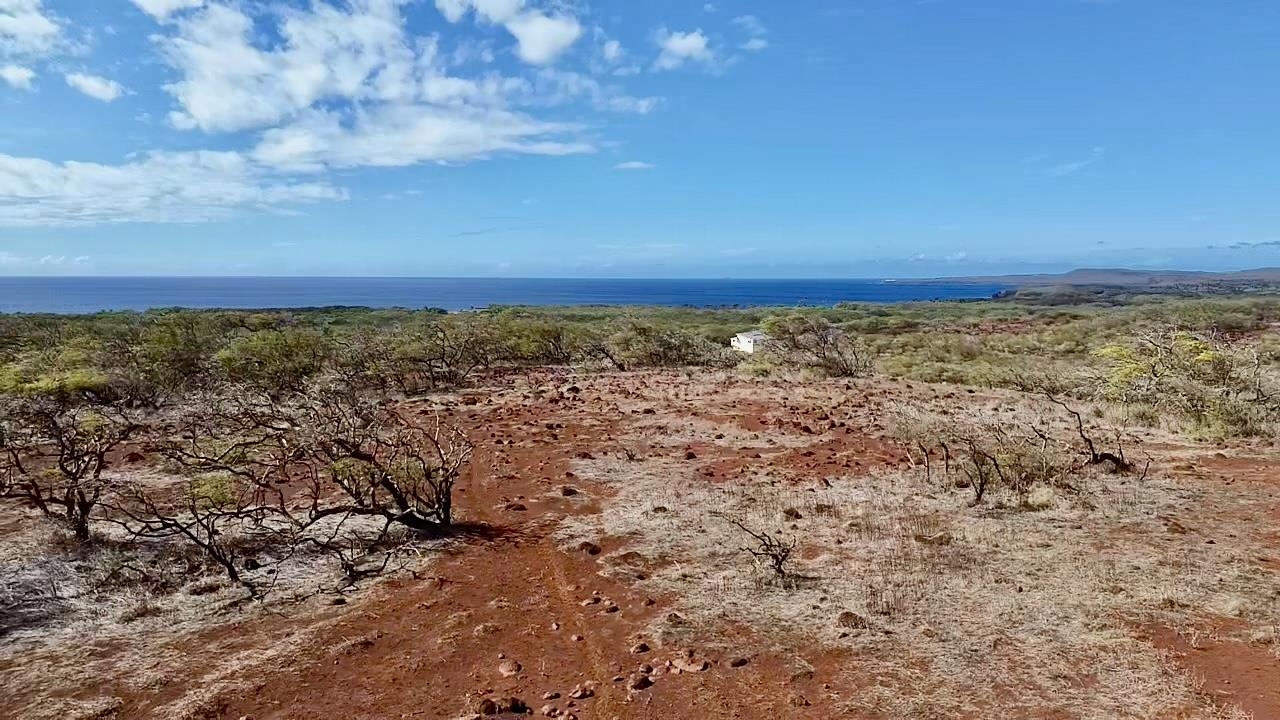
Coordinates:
[1096,156]
[680,47]
[397,136]
[552,87]
[634,165]
[27,29]
[17,77]
[96,86]
[751,25]
[612,51]
[183,187]
[162,9]
[230,84]
[540,39]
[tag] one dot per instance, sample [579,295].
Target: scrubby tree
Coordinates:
[55,456]
[814,342]
[276,361]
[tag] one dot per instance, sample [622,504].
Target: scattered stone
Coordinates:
[251,564]
[589,547]
[338,601]
[515,507]
[792,514]
[639,648]
[576,638]
[567,491]
[690,455]
[738,662]
[509,668]
[550,711]
[646,668]
[488,707]
[593,600]
[685,664]
[611,609]
[551,695]
[581,692]
[640,682]
[648,602]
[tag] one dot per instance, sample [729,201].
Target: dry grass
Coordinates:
[953,611]
[133,613]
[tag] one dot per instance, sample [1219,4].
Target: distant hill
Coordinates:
[1123,278]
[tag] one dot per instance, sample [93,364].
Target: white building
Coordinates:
[749,342]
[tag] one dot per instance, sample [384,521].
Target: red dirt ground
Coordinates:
[432,647]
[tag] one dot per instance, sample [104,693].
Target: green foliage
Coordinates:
[275,361]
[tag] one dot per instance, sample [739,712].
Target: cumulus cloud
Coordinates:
[162,9]
[228,83]
[543,38]
[184,187]
[95,86]
[17,77]
[681,47]
[27,29]
[540,38]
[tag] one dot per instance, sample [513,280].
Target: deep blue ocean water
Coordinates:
[84,294]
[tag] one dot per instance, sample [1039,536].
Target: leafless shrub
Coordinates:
[772,548]
[812,341]
[333,471]
[54,456]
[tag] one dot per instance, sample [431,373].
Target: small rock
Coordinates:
[488,707]
[639,648]
[576,638]
[568,491]
[509,668]
[589,547]
[551,695]
[690,455]
[738,662]
[611,609]
[515,507]
[640,682]
[852,621]
[691,665]
[593,600]
[550,711]
[792,514]
[581,692]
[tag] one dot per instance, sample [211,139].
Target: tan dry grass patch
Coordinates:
[956,610]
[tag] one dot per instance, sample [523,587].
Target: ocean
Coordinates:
[70,295]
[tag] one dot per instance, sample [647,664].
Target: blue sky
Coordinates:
[594,138]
